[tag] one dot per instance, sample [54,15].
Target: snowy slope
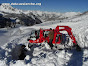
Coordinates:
[42,55]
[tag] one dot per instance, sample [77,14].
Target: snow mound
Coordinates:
[40,56]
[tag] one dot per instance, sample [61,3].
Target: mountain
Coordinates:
[49,16]
[41,15]
[10,12]
[79,17]
[9,9]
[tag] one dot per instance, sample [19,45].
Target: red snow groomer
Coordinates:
[62,35]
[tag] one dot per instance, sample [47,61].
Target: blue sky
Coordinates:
[52,5]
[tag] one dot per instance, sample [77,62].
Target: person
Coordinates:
[51,36]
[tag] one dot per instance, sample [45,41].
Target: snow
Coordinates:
[9,9]
[70,14]
[42,15]
[11,40]
[42,55]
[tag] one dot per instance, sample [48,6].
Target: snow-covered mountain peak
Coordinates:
[6,6]
[43,15]
[9,9]
[70,14]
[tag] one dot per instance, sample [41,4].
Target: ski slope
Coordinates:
[41,54]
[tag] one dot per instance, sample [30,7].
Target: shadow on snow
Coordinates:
[76,58]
